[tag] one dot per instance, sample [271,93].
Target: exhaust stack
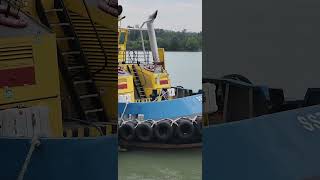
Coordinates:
[152,37]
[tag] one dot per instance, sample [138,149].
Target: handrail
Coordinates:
[134,56]
[98,37]
[144,78]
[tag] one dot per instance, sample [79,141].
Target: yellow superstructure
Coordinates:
[32,86]
[29,74]
[122,44]
[152,81]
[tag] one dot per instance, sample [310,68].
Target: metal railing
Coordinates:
[135,57]
[98,38]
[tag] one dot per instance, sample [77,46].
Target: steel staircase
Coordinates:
[73,64]
[97,46]
[137,83]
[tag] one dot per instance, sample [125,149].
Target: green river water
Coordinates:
[160,165]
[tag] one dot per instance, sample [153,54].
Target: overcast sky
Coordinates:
[173,14]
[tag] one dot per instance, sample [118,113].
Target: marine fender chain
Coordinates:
[174,121]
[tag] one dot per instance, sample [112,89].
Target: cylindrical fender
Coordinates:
[163,130]
[144,131]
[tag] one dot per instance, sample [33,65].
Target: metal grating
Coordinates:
[92,49]
[16,52]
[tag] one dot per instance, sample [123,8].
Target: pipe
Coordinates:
[152,37]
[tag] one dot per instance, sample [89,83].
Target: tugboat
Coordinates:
[151,112]
[258,126]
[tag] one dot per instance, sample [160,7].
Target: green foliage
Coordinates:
[169,40]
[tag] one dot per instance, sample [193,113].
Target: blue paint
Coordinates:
[63,159]
[191,105]
[277,147]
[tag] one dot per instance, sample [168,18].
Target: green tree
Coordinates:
[170,40]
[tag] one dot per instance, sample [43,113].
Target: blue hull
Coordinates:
[187,106]
[281,146]
[63,159]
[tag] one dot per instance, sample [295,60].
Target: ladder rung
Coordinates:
[65,38]
[82,82]
[54,10]
[60,24]
[70,52]
[93,111]
[75,67]
[89,96]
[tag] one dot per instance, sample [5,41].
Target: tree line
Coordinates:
[167,39]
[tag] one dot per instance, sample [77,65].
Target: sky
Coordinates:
[173,14]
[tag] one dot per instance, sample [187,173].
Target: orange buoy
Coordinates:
[11,20]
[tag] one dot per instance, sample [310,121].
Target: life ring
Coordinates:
[110,6]
[144,131]
[126,131]
[163,131]
[185,129]
[12,20]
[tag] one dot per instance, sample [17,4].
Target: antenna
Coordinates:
[120,19]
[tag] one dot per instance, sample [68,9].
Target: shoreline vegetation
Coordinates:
[169,40]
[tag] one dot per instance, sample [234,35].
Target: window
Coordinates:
[122,38]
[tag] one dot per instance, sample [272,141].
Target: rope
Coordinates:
[125,108]
[34,143]
[162,95]
[172,122]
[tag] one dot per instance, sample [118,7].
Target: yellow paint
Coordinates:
[69,132]
[97,15]
[80,132]
[122,44]
[46,87]
[108,94]
[150,80]
[109,130]
[94,132]
[46,69]
[161,56]
[128,79]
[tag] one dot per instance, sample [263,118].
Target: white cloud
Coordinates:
[173,14]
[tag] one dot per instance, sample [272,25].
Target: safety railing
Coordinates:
[135,57]
[98,38]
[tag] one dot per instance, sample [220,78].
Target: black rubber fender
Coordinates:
[127,131]
[144,132]
[185,129]
[198,125]
[163,131]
